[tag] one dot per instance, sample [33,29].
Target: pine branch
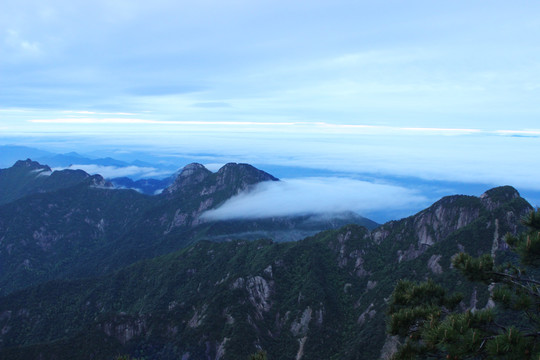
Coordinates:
[515,280]
[515,277]
[500,326]
[485,340]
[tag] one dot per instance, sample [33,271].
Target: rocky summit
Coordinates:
[232,177]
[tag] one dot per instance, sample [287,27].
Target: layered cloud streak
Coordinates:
[315,196]
[110,172]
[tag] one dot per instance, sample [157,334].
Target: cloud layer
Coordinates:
[426,64]
[110,172]
[316,196]
[434,90]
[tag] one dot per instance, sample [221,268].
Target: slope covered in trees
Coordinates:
[68,224]
[508,327]
[322,297]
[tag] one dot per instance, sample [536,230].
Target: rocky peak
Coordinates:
[191,174]
[448,214]
[242,175]
[193,169]
[98,181]
[498,196]
[202,189]
[30,165]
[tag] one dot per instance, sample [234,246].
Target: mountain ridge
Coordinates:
[76,229]
[321,297]
[27,177]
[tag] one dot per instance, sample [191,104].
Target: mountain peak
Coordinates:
[191,174]
[28,177]
[239,176]
[191,169]
[498,196]
[31,165]
[251,173]
[506,192]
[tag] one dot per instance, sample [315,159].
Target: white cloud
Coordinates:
[474,153]
[92,121]
[85,112]
[315,196]
[31,47]
[23,46]
[518,132]
[42,172]
[299,126]
[153,122]
[113,171]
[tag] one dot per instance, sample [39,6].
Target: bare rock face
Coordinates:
[220,352]
[342,240]
[259,291]
[350,248]
[44,239]
[190,175]
[238,283]
[124,329]
[390,347]
[495,245]
[300,327]
[369,313]
[100,182]
[442,219]
[198,316]
[446,217]
[409,254]
[358,263]
[371,285]
[433,264]
[381,233]
[437,222]
[301,343]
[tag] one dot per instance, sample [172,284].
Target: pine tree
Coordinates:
[433,326]
[259,355]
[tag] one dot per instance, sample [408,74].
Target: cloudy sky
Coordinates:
[437,90]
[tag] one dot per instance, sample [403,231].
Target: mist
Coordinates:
[316,196]
[109,172]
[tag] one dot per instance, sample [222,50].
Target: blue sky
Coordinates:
[438,90]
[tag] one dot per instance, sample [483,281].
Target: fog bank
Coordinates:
[316,196]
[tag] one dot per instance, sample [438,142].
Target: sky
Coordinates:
[433,90]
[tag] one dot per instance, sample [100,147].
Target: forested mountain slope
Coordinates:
[320,298]
[68,224]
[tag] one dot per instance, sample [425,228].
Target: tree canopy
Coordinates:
[433,323]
